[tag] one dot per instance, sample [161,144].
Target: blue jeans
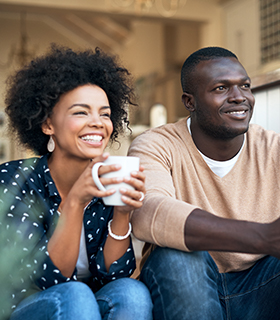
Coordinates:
[188,286]
[121,299]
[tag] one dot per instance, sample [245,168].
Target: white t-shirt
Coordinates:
[82,262]
[220,168]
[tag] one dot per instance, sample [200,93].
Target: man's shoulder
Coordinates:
[256,130]
[164,132]
[263,139]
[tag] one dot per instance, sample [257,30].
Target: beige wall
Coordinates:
[154,48]
[242,32]
[138,53]
[41,31]
[242,35]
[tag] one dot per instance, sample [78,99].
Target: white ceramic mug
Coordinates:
[128,164]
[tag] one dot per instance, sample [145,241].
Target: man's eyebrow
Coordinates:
[228,81]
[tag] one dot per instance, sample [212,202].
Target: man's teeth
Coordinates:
[93,138]
[236,112]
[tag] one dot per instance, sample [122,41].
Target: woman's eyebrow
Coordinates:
[86,106]
[79,105]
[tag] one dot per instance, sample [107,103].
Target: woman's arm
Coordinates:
[26,221]
[64,244]
[113,248]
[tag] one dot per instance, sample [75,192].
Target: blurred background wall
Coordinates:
[152,39]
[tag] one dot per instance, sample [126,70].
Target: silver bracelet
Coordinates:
[115,236]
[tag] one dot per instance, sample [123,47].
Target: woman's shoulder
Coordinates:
[23,179]
[19,165]
[21,169]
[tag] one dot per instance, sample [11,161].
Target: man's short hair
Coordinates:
[204,54]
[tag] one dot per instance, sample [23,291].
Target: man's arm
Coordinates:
[205,231]
[162,217]
[166,221]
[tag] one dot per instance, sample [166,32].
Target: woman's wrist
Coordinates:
[117,236]
[120,214]
[120,224]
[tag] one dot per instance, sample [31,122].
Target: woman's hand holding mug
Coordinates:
[131,190]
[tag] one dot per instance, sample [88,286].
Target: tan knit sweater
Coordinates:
[178,180]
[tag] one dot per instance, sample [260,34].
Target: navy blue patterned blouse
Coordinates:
[28,215]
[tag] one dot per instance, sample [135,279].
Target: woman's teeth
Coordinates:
[92,138]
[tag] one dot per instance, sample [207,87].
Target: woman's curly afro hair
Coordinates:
[34,90]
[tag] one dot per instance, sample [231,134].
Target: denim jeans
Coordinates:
[122,299]
[188,286]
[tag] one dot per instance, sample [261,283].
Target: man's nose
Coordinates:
[236,95]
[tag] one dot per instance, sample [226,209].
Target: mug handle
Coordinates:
[94,172]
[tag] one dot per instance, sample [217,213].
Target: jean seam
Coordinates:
[149,270]
[226,296]
[110,304]
[254,288]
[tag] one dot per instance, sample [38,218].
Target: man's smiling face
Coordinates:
[222,102]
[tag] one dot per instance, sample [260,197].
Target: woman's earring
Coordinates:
[51,145]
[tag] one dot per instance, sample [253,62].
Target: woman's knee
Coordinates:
[75,290]
[125,291]
[63,301]
[135,292]
[126,298]
[77,298]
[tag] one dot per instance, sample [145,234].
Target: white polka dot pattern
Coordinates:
[28,208]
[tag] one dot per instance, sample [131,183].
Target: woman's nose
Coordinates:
[95,121]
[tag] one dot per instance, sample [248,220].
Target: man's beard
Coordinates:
[219,132]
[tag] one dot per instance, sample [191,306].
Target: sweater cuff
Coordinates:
[166,223]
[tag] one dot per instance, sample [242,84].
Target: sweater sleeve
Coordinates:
[162,217]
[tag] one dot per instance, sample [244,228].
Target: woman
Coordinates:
[66,106]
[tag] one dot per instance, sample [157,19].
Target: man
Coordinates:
[213,191]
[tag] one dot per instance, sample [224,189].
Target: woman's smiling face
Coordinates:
[80,123]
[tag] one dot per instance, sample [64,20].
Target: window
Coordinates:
[270,30]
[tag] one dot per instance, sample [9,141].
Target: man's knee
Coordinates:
[180,283]
[169,267]
[167,259]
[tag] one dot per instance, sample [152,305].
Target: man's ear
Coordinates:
[188,101]
[47,127]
